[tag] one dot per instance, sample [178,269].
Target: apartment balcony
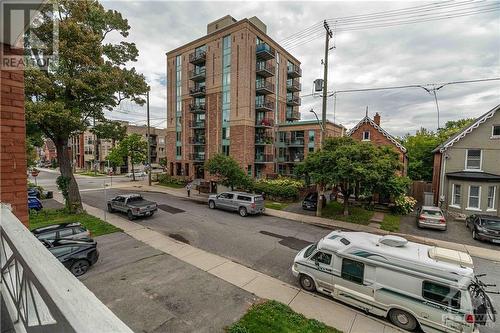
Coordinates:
[295,142]
[265,105]
[293,100]
[198,57]
[197,91]
[264,158]
[264,87]
[264,51]
[197,123]
[265,123]
[294,158]
[265,69]
[293,86]
[197,157]
[197,108]
[294,71]
[197,75]
[197,141]
[39,293]
[292,116]
[263,140]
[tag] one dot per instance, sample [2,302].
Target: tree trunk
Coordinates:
[346,194]
[132,162]
[319,202]
[73,200]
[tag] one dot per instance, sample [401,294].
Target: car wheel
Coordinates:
[130,215]
[403,319]
[242,211]
[151,214]
[211,204]
[79,267]
[110,209]
[307,283]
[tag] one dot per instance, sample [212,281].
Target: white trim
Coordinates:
[455,206]
[478,201]
[453,203]
[490,209]
[367,120]
[493,136]
[480,160]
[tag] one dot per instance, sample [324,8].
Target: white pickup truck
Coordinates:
[134,205]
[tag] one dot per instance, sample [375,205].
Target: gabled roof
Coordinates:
[368,120]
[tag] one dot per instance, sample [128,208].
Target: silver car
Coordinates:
[243,203]
[431,217]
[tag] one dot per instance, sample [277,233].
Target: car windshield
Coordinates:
[493,224]
[310,250]
[429,212]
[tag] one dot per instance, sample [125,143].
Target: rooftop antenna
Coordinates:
[366,111]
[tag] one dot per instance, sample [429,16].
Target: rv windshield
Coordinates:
[310,250]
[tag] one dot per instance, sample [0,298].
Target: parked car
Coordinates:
[484,227]
[34,192]
[75,255]
[431,217]
[137,174]
[35,204]
[62,230]
[243,203]
[310,202]
[134,205]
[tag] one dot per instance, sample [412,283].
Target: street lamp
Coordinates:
[320,125]
[433,91]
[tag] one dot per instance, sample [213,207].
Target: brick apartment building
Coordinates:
[48,151]
[227,92]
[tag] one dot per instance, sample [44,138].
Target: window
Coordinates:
[366,136]
[227,195]
[456,199]
[310,250]
[441,294]
[178,151]
[495,131]
[322,257]
[249,170]
[243,198]
[352,270]
[311,149]
[225,150]
[48,235]
[491,197]
[65,233]
[311,136]
[60,251]
[473,159]
[474,196]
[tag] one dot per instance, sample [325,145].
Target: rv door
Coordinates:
[323,272]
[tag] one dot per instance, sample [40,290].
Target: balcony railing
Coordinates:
[264,87]
[197,157]
[294,71]
[264,123]
[264,69]
[198,57]
[197,91]
[264,158]
[40,294]
[265,105]
[293,100]
[293,85]
[264,51]
[197,140]
[197,124]
[261,140]
[295,142]
[197,108]
[294,115]
[197,74]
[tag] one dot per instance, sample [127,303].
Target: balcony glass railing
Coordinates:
[266,122]
[264,51]
[198,56]
[197,124]
[197,73]
[294,71]
[264,87]
[197,107]
[197,156]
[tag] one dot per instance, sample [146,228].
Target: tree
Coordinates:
[228,171]
[132,147]
[90,76]
[163,163]
[109,130]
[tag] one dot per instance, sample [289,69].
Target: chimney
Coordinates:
[376,119]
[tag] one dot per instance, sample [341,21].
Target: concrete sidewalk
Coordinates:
[310,305]
[474,251]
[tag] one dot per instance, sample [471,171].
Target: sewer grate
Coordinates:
[170,209]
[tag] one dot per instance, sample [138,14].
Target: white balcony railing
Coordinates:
[40,294]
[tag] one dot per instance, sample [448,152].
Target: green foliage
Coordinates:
[47,217]
[390,223]
[394,185]
[228,171]
[109,129]
[276,205]
[358,215]
[281,188]
[163,162]
[404,205]
[169,181]
[132,146]
[276,317]
[63,184]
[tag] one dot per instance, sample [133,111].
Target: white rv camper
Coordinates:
[409,283]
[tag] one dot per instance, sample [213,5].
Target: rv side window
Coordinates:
[353,270]
[322,257]
[441,294]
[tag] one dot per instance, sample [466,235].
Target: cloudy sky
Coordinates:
[456,49]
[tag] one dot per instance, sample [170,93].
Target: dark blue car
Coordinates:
[34,203]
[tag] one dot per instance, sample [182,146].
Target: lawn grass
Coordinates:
[276,205]
[358,215]
[172,185]
[47,217]
[390,222]
[276,317]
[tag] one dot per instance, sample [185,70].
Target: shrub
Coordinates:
[404,205]
[281,188]
[165,179]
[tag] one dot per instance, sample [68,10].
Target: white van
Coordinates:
[409,283]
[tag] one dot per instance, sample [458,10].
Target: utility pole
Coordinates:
[95,149]
[149,139]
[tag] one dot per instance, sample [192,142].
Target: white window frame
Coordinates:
[477,209]
[491,209]
[480,160]
[453,203]
[369,136]
[493,136]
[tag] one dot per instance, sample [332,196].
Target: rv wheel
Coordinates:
[307,283]
[403,319]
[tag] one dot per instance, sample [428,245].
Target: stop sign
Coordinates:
[35,172]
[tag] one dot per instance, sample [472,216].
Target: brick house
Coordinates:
[49,151]
[369,130]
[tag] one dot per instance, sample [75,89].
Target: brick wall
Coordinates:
[436,177]
[13,180]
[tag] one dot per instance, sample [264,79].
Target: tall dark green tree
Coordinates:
[90,76]
[228,171]
[133,148]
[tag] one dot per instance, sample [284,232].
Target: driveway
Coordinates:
[154,292]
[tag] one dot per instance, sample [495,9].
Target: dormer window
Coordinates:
[495,132]
[473,159]
[366,136]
